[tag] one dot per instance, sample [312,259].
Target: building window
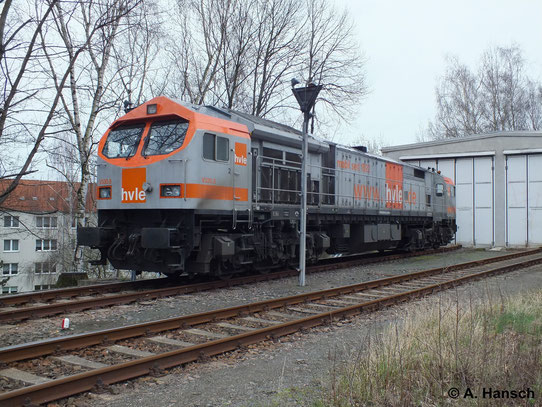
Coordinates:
[46,222]
[10,269]
[46,245]
[44,268]
[42,287]
[11,221]
[11,245]
[9,289]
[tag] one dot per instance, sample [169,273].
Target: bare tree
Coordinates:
[242,54]
[459,101]
[96,25]
[533,105]
[333,58]
[135,54]
[277,54]
[199,46]
[25,111]
[504,87]
[500,97]
[236,65]
[92,27]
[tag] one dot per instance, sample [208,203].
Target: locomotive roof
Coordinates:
[277,132]
[262,128]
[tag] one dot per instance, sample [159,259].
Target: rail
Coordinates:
[246,324]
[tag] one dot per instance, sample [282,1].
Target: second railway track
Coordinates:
[55,302]
[114,355]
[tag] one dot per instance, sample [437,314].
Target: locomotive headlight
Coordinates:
[152,109]
[105,192]
[170,191]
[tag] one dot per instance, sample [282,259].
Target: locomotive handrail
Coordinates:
[185,171]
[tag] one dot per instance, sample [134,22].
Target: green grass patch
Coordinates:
[517,321]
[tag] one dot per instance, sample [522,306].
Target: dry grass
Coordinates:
[497,344]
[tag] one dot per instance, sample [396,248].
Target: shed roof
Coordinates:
[501,134]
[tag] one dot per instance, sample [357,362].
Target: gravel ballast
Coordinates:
[264,373]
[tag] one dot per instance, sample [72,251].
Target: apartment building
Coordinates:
[38,233]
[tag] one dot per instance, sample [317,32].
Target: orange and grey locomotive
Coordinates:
[199,189]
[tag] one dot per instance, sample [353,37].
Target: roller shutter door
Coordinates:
[475,197]
[464,200]
[483,201]
[516,200]
[534,198]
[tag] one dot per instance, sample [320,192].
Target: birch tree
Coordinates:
[91,27]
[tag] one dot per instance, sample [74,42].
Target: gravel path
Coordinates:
[263,374]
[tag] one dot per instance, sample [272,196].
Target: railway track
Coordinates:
[44,371]
[55,302]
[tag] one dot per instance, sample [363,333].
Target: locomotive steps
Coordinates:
[194,337]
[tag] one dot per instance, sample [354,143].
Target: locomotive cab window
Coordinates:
[215,147]
[165,137]
[440,189]
[122,141]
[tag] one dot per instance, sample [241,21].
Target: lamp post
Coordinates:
[306,97]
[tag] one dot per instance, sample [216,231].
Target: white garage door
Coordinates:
[534,196]
[516,200]
[473,178]
[483,201]
[464,199]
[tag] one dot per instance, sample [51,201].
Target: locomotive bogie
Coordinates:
[195,189]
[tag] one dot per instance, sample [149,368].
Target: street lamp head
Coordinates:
[294,82]
[306,96]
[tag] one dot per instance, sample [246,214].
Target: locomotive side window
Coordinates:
[165,137]
[209,146]
[222,149]
[122,141]
[216,147]
[440,190]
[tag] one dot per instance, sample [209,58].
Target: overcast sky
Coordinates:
[406,43]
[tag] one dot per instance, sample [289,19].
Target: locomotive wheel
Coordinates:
[221,270]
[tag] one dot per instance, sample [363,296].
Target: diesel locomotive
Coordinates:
[186,188]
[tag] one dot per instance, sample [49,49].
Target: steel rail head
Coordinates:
[25,351]
[65,387]
[126,298]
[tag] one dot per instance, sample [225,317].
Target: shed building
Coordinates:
[498,180]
